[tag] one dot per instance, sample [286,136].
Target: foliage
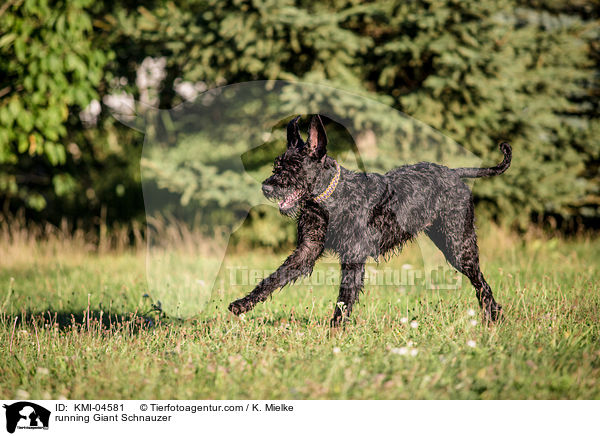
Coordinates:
[488,73]
[478,71]
[49,65]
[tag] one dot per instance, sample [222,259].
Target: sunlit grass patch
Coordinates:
[81,328]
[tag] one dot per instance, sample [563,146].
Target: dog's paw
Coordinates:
[337,321]
[494,313]
[240,306]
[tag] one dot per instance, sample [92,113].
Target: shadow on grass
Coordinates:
[90,320]
[134,322]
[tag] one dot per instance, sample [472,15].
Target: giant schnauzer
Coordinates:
[362,215]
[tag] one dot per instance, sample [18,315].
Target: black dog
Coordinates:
[360,215]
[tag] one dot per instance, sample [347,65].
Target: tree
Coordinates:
[478,71]
[49,67]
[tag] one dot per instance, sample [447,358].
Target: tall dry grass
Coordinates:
[22,242]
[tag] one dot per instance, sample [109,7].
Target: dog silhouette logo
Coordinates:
[26,415]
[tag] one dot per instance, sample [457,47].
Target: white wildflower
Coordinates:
[471,343]
[414,324]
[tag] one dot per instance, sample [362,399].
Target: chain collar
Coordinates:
[332,185]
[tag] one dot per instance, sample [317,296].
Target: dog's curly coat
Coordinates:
[368,215]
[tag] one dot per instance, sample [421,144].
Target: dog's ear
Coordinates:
[317,138]
[293,135]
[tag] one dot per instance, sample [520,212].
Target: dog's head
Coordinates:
[300,172]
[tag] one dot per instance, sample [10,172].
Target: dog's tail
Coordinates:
[487,172]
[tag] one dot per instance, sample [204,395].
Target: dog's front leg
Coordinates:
[300,262]
[350,287]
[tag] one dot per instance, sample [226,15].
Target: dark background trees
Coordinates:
[478,71]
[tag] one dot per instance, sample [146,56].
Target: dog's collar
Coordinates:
[332,185]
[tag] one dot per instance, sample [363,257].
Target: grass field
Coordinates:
[70,327]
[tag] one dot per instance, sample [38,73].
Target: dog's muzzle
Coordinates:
[268,190]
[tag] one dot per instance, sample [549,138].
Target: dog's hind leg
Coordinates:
[454,234]
[350,287]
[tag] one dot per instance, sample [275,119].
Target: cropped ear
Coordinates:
[293,135]
[317,138]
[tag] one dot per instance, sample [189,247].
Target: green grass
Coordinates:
[79,334]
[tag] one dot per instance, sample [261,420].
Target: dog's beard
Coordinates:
[290,204]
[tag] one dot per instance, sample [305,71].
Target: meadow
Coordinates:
[74,323]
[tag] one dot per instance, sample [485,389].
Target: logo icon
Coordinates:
[26,415]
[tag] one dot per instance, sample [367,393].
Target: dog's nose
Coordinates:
[267,189]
